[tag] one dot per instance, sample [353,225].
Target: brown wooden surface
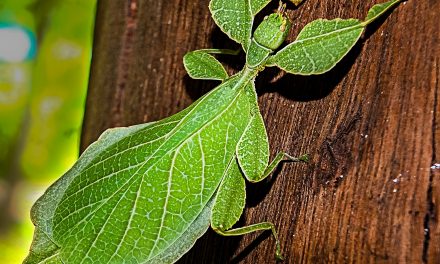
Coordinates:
[371,126]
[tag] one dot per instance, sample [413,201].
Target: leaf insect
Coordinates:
[146,193]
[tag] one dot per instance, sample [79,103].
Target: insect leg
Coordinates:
[229,204]
[282,156]
[253,228]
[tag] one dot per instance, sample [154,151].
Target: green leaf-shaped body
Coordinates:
[131,200]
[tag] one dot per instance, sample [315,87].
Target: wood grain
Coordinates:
[371,125]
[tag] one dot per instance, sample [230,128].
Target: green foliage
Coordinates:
[57,99]
[147,192]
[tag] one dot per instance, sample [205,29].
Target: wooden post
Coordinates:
[371,126]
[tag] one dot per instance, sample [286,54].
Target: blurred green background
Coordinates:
[45,53]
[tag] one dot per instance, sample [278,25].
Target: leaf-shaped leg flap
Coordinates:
[257,5]
[229,204]
[319,46]
[253,147]
[234,17]
[230,200]
[379,9]
[322,43]
[200,64]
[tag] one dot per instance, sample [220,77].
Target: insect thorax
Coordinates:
[268,36]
